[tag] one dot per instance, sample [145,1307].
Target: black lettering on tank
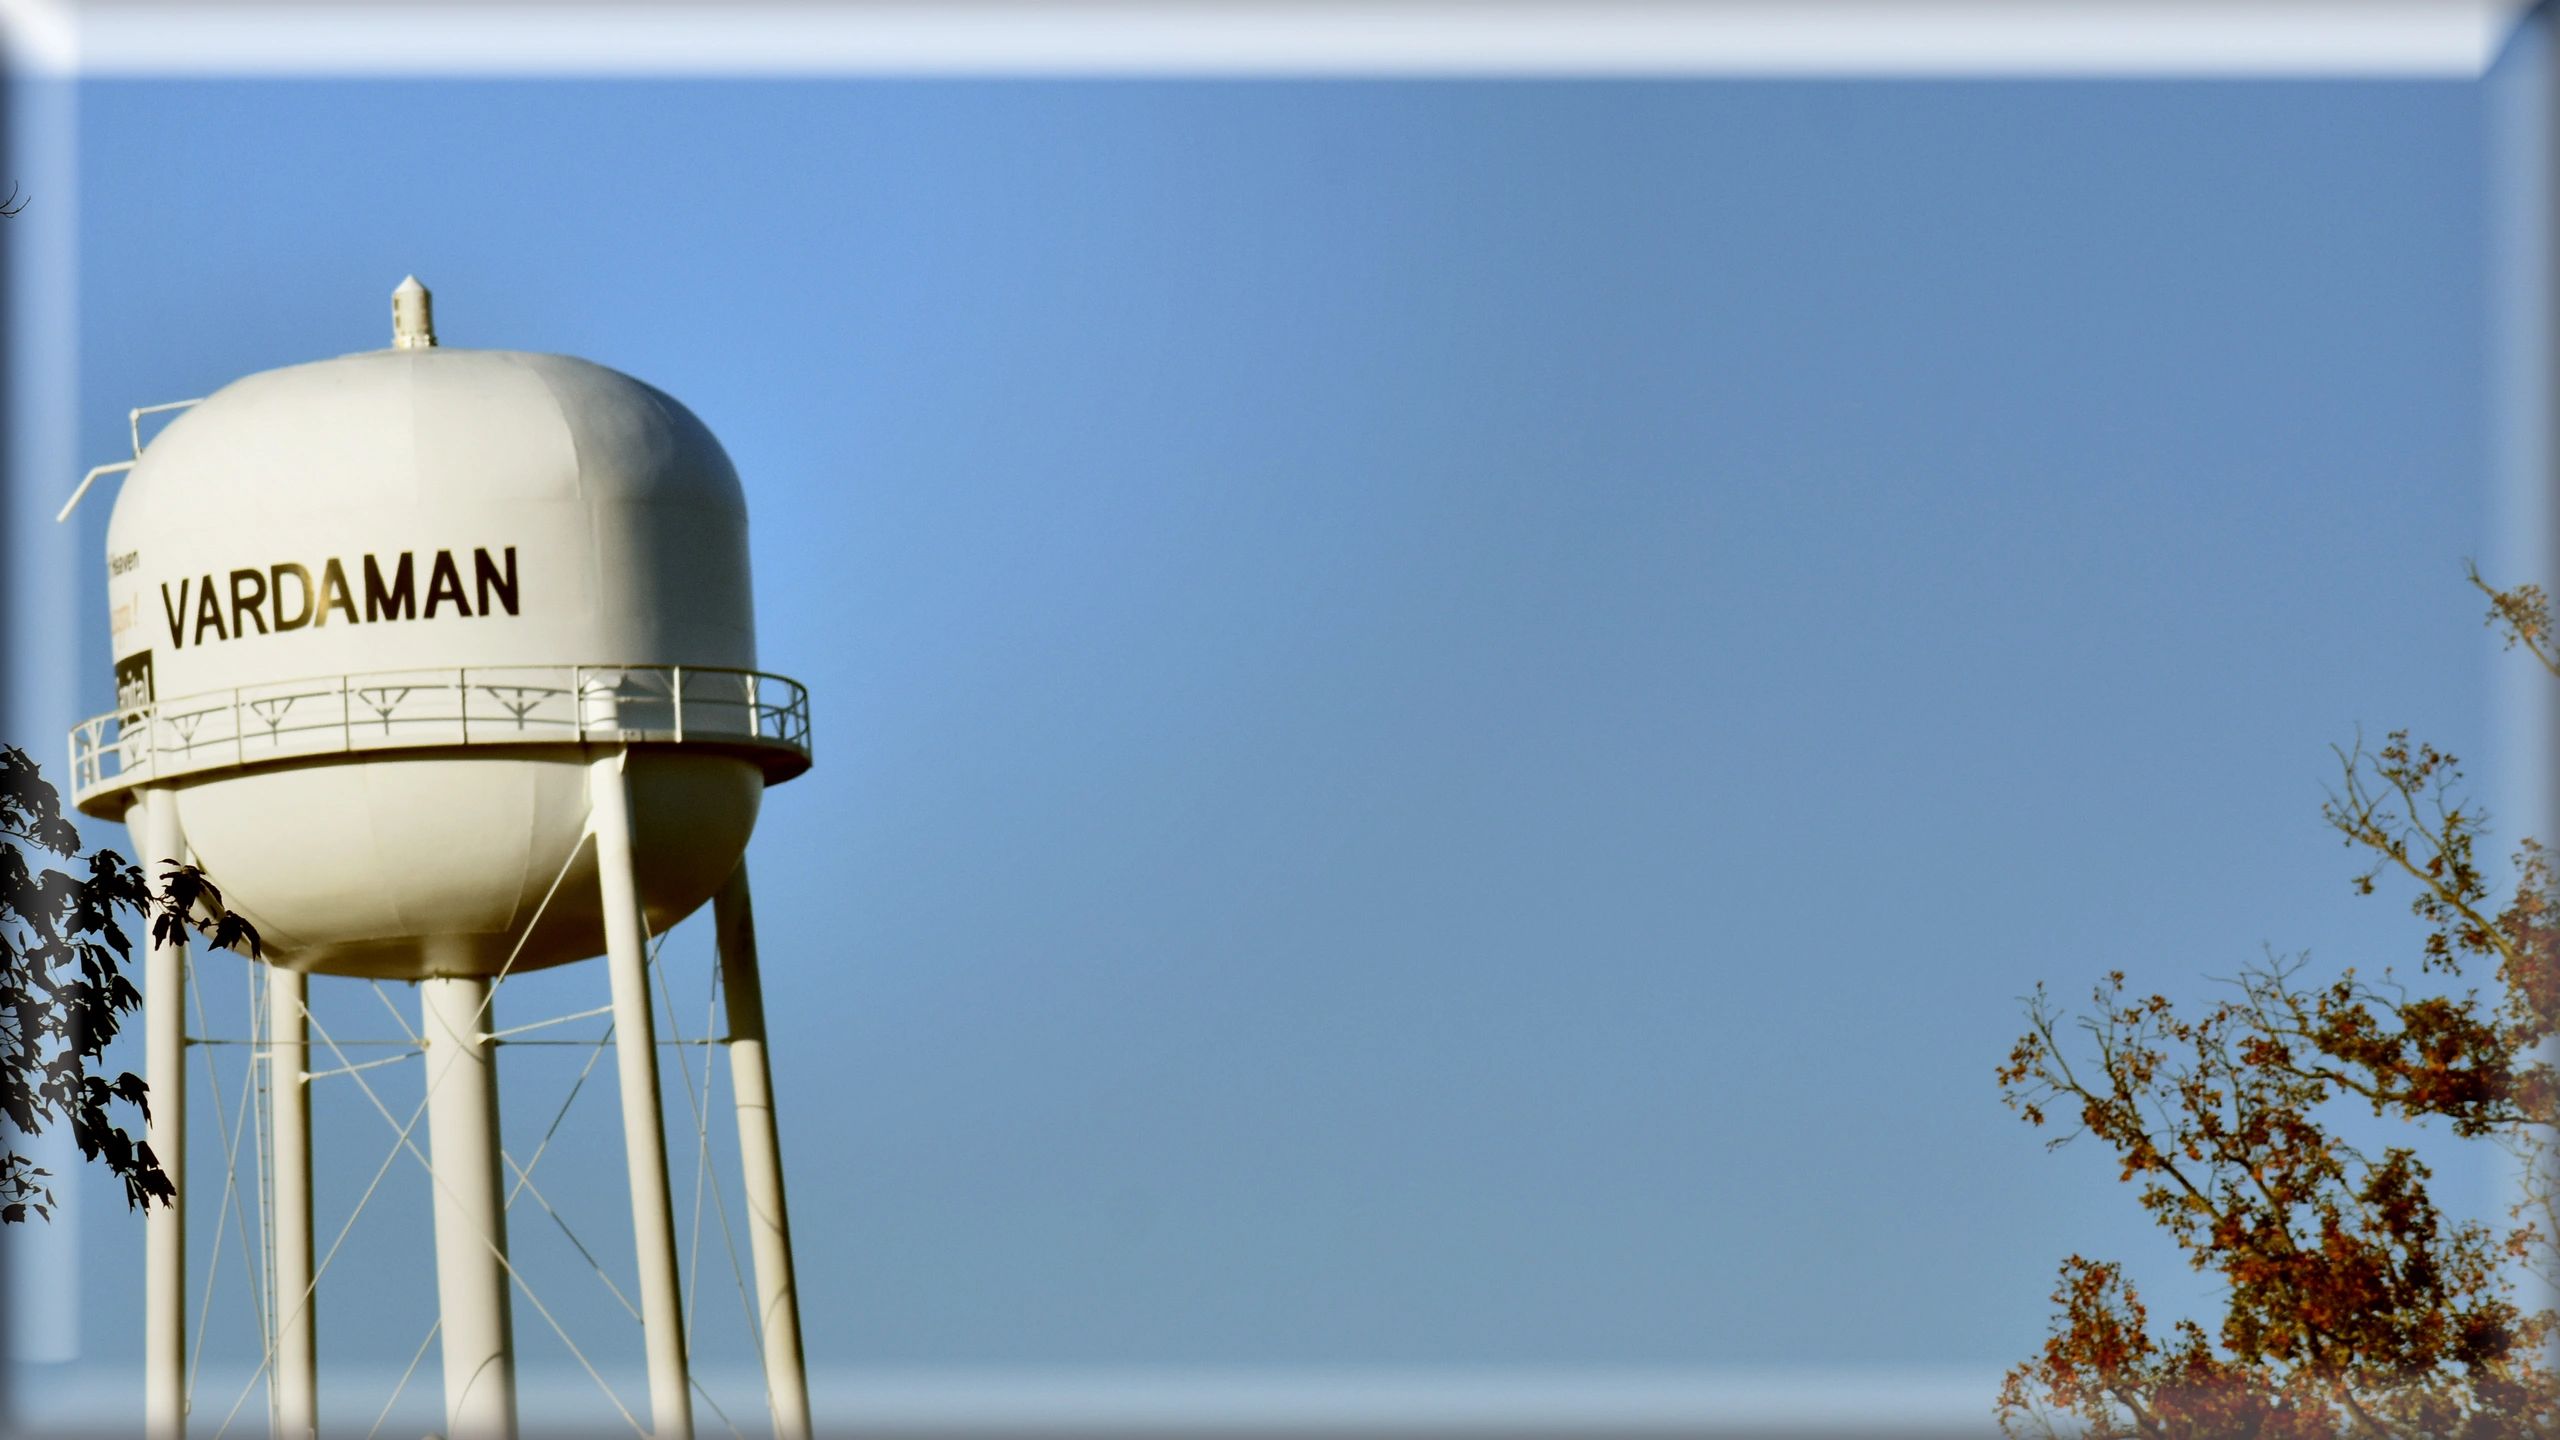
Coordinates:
[334,594]
[248,600]
[396,601]
[446,584]
[209,612]
[486,573]
[177,613]
[275,595]
[262,602]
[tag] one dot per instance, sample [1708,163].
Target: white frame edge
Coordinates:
[2445,39]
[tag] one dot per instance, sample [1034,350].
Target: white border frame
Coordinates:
[2157,38]
[54,41]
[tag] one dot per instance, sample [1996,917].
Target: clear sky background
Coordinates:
[1450,715]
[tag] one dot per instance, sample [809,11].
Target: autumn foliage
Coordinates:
[2354,1306]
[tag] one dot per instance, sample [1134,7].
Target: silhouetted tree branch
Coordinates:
[63,991]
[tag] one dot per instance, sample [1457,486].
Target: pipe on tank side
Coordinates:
[786,1375]
[644,1137]
[154,823]
[477,1336]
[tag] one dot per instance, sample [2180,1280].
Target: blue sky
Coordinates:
[1450,714]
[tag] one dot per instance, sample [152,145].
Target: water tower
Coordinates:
[442,664]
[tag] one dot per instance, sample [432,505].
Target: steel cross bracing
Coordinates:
[250,1125]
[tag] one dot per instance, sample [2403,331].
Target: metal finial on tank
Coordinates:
[413,316]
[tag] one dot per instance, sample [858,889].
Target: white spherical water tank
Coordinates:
[384,602]
[441,663]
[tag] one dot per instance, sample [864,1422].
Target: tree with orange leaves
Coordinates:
[2355,1307]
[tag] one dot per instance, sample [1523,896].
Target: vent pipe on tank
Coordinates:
[413,316]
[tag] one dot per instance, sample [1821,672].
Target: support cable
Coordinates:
[229,1138]
[524,1183]
[481,1017]
[388,1160]
[524,1172]
[498,1252]
[432,1329]
[478,1019]
[702,1169]
[591,1044]
[737,1269]
[563,1112]
[403,1141]
[715,1408]
[365,1065]
[235,1040]
[497,1035]
[702,1132]
[396,1017]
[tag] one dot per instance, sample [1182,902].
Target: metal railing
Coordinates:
[415,709]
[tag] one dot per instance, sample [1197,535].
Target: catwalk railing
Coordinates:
[766,716]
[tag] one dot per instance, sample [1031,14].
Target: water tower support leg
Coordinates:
[476,1337]
[644,1136]
[786,1376]
[164,1008]
[296,1340]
